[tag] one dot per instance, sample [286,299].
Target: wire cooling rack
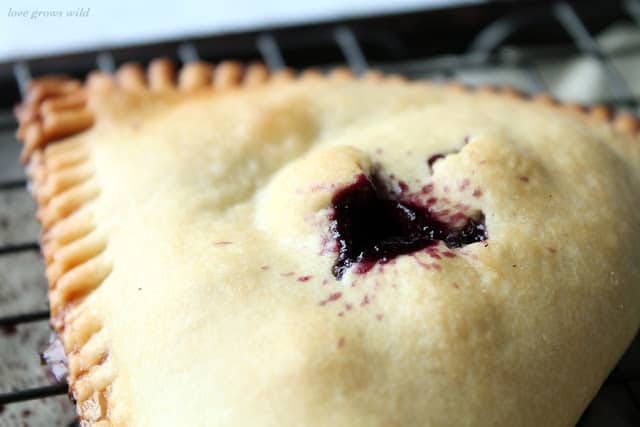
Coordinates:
[465,42]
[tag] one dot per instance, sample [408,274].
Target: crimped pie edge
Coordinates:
[56,107]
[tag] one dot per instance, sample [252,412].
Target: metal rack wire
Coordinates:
[346,37]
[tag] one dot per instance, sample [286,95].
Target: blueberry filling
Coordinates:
[371,225]
[431,160]
[55,359]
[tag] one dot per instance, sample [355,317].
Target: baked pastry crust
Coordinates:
[185,227]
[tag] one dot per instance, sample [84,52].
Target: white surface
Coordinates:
[26,30]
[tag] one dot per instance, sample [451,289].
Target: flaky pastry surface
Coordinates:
[186,226]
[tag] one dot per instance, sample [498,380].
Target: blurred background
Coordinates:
[578,51]
[99,25]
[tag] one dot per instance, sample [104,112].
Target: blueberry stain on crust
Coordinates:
[373,226]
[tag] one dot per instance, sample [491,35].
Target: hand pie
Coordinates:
[231,247]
